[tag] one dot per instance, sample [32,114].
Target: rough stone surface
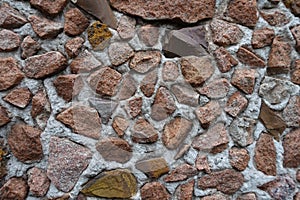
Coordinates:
[241,131]
[10,17]
[247,196]
[148,83]
[29,47]
[99,35]
[262,37]
[144,61]
[215,89]
[120,124]
[291,113]
[154,167]
[149,35]
[10,73]
[248,57]
[294,6]
[225,60]
[296,33]
[239,158]
[128,87]
[227,181]
[85,62]
[291,145]
[208,113]
[295,76]
[73,46]
[202,163]
[236,104]
[75,22]
[38,182]
[170,71]
[154,191]
[134,106]
[19,97]
[185,94]
[119,53]
[41,108]
[105,108]
[218,196]
[185,191]
[51,7]
[143,132]
[126,27]
[3,161]
[14,188]
[9,41]
[244,79]
[45,65]
[275,18]
[67,160]
[4,117]
[180,173]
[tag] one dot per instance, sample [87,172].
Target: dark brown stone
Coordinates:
[128,87]
[84,63]
[14,188]
[154,167]
[144,61]
[119,53]
[38,182]
[215,89]
[19,97]
[51,7]
[239,158]
[170,71]
[225,60]
[262,37]
[185,94]
[120,125]
[248,57]
[181,173]
[9,41]
[10,17]
[10,73]
[134,107]
[185,191]
[75,22]
[149,35]
[126,27]
[275,18]
[244,79]
[208,113]
[41,108]
[236,104]
[29,47]
[4,118]
[73,46]
[291,113]
[143,132]
[148,83]
[291,145]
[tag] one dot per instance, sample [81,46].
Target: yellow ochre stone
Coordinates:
[119,183]
[99,35]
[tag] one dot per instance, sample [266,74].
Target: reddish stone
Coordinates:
[185,191]
[143,132]
[247,196]
[41,108]
[215,89]
[181,173]
[9,41]
[38,182]
[202,163]
[185,94]
[19,97]
[4,118]
[154,167]
[114,149]
[148,83]
[208,113]
[45,65]
[82,119]
[291,113]
[14,188]
[239,158]
[84,63]
[149,35]
[73,46]
[248,57]
[24,142]
[227,181]
[244,79]
[29,47]
[275,18]
[119,53]
[236,104]
[44,27]
[127,87]
[10,73]
[120,125]
[134,107]
[75,22]
[10,17]
[295,76]
[217,196]
[291,145]
[241,131]
[67,160]
[170,71]
[126,27]
[144,61]
[154,191]
[51,7]
[262,37]
[294,5]
[225,60]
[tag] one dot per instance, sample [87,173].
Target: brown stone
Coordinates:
[291,145]
[295,76]
[10,73]
[9,41]
[24,143]
[227,181]
[291,113]
[51,7]
[105,81]
[294,5]
[208,113]
[181,173]
[67,160]
[236,104]
[170,71]
[175,132]
[243,12]
[164,104]
[224,33]
[275,18]
[4,117]
[75,22]
[148,83]
[127,87]
[185,94]
[185,191]
[279,57]
[297,196]
[214,140]
[68,86]
[10,17]
[202,163]
[265,155]
[143,132]
[98,34]
[154,167]
[244,79]
[262,37]
[81,119]
[196,70]
[134,107]
[247,196]
[41,108]
[239,158]
[248,57]
[183,149]
[73,46]
[45,65]
[120,125]
[241,131]
[4,157]
[105,107]
[144,61]
[149,35]
[119,53]
[298,175]
[29,47]
[217,196]
[19,97]
[85,62]
[126,27]
[114,149]
[38,182]
[225,60]
[189,12]
[14,188]
[44,27]
[216,89]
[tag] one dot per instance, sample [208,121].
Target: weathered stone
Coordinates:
[128,87]
[143,132]
[175,132]
[4,118]
[181,173]
[45,65]
[241,131]
[217,196]
[120,125]
[126,27]
[295,75]
[280,188]
[149,34]
[144,61]
[75,22]
[185,191]
[10,17]
[236,104]
[9,41]
[208,113]
[134,107]
[202,163]
[85,62]
[298,175]
[244,79]
[38,182]
[227,181]
[67,160]
[154,167]
[189,12]
[68,86]
[291,145]
[275,18]
[170,71]
[225,60]
[148,83]
[81,119]
[243,12]
[119,183]
[24,143]
[19,97]
[29,47]
[262,37]
[73,46]
[99,35]
[274,124]
[51,7]
[239,158]
[105,81]
[183,149]
[14,188]
[293,5]
[4,157]
[185,94]
[154,191]
[196,70]
[41,108]
[224,33]
[279,57]
[214,140]
[248,57]
[291,113]
[114,149]
[247,196]
[119,53]
[44,27]
[105,108]
[265,155]
[215,89]
[10,73]
[164,104]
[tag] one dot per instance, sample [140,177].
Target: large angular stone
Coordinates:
[105,108]
[275,17]
[120,124]
[154,167]
[154,191]
[225,60]
[29,47]
[38,182]
[10,73]
[51,7]
[239,158]
[144,61]
[170,71]
[148,83]
[248,57]
[202,164]
[216,89]
[4,117]
[75,22]
[181,173]
[236,104]
[19,97]
[185,94]
[291,113]
[134,107]
[262,37]
[73,46]
[67,160]
[14,188]
[185,191]
[10,17]
[291,145]
[126,27]
[208,113]
[99,35]
[41,108]
[84,63]
[119,53]
[244,79]
[128,87]
[9,41]
[149,34]
[143,132]
[241,131]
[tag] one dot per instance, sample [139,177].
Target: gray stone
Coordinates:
[241,131]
